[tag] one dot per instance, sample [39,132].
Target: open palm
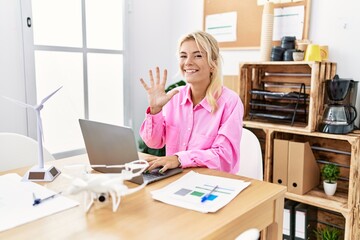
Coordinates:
[157,96]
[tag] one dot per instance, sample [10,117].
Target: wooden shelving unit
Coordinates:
[285,77]
[346,201]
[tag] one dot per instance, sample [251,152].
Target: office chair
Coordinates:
[251,162]
[17,151]
[251,165]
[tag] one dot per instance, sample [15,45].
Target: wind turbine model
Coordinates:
[40,172]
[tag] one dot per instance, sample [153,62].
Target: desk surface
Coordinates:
[140,217]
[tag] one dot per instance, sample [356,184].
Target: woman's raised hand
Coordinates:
[157,96]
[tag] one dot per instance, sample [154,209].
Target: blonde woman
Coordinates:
[200,123]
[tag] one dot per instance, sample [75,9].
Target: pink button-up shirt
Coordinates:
[198,137]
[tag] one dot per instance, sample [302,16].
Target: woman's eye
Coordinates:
[183,56]
[198,56]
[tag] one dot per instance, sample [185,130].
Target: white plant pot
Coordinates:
[329,188]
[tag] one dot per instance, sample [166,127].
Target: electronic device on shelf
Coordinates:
[340,112]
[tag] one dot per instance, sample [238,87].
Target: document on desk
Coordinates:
[189,190]
[16,202]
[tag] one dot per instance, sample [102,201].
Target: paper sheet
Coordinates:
[222,26]
[187,192]
[288,21]
[16,202]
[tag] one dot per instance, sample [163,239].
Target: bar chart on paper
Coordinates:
[200,192]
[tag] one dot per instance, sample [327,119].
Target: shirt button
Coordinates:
[189,129]
[184,144]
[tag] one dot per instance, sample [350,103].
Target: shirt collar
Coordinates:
[204,103]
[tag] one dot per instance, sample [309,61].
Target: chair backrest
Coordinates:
[17,151]
[251,162]
[250,234]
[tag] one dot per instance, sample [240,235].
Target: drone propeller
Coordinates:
[136,164]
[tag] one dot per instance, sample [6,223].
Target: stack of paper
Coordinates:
[188,191]
[16,202]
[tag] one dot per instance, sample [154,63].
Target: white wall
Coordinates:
[155,27]
[12,83]
[149,47]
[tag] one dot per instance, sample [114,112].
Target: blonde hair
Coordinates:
[210,46]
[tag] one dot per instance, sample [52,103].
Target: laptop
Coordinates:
[108,144]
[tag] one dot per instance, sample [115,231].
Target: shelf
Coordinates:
[338,148]
[285,107]
[317,197]
[275,78]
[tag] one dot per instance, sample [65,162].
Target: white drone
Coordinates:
[98,187]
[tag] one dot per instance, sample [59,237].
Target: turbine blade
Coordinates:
[25,105]
[49,96]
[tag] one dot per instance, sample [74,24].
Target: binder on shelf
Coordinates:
[289,220]
[303,170]
[280,162]
[305,221]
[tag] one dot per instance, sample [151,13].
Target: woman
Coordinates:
[200,123]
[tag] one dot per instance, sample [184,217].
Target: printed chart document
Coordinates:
[188,191]
[16,202]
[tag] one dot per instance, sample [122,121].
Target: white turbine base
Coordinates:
[46,174]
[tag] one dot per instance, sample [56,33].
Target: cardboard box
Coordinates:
[280,161]
[303,170]
[295,166]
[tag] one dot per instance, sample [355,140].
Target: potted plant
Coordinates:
[327,233]
[330,173]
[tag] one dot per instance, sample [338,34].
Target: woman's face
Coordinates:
[193,64]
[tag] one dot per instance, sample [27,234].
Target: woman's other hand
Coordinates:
[157,96]
[165,163]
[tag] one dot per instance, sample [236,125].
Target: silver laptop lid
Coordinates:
[108,144]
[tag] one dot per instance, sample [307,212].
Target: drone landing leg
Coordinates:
[89,200]
[115,200]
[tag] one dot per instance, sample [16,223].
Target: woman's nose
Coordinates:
[188,61]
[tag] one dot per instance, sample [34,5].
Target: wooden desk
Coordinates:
[140,217]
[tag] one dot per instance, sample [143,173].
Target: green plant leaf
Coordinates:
[330,172]
[327,233]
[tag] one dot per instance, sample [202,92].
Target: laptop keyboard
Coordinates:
[153,175]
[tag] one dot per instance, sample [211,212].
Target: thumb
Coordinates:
[172,93]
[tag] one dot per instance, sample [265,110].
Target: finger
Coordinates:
[157,76]
[146,87]
[151,78]
[163,169]
[153,165]
[151,159]
[164,77]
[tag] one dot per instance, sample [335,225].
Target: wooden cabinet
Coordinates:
[344,150]
[286,95]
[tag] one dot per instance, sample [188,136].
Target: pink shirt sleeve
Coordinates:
[152,130]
